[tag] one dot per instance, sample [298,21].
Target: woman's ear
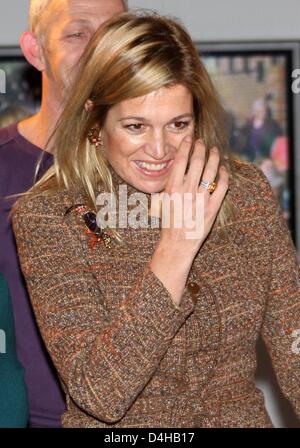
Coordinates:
[88,105]
[32,50]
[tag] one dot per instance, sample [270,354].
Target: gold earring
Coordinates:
[95,138]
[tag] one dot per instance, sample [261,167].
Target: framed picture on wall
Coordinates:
[20,88]
[254,81]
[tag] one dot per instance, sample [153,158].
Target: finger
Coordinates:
[180,162]
[197,163]
[217,197]
[211,168]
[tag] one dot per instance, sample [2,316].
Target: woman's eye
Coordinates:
[180,125]
[135,127]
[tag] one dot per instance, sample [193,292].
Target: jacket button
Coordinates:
[193,287]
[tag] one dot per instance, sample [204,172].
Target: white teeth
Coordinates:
[152,166]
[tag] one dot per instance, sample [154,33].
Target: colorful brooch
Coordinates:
[97,235]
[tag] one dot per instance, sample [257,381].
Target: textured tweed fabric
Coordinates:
[125,354]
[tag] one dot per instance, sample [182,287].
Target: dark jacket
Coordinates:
[13,394]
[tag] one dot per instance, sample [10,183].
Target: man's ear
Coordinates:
[32,50]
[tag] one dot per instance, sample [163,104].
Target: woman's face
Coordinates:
[141,136]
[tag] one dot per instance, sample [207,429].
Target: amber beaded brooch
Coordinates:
[97,235]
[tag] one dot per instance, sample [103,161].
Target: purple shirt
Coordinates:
[18,158]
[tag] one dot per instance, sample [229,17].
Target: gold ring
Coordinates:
[209,186]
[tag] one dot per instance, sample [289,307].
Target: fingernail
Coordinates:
[188,139]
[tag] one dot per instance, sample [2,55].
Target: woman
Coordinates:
[13,394]
[156,326]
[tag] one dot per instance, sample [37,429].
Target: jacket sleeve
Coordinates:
[281,324]
[104,359]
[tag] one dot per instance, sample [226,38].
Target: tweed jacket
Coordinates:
[125,354]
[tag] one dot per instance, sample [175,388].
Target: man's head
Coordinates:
[39,11]
[59,31]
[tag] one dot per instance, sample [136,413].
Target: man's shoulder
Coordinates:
[14,145]
[9,147]
[7,154]
[8,134]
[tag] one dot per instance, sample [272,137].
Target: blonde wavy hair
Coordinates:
[128,57]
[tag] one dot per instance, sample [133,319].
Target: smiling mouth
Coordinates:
[152,167]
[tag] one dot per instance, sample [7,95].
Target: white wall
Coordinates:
[13,20]
[207,20]
[213,20]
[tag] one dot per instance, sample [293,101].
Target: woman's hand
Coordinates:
[179,245]
[186,241]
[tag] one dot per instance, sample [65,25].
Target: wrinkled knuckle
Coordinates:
[214,153]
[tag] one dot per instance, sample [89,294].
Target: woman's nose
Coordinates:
[157,146]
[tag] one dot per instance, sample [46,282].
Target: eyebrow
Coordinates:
[77,21]
[179,117]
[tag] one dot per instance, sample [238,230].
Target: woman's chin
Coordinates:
[149,188]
